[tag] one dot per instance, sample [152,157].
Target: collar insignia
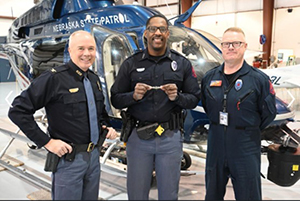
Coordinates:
[99,87]
[78,72]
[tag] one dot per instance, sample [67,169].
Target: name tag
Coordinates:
[73,90]
[224,118]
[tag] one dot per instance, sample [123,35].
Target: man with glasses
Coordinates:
[155,85]
[239,101]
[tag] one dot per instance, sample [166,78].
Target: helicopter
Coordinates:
[38,41]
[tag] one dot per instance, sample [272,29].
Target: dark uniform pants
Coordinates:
[245,178]
[77,180]
[163,154]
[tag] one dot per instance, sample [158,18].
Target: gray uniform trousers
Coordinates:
[77,180]
[162,153]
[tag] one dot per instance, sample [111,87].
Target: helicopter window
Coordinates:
[191,45]
[134,37]
[112,49]
[114,53]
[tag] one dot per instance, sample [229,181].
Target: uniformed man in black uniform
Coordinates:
[61,91]
[239,101]
[155,85]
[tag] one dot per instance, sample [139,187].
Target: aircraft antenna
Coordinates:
[12,12]
[169,8]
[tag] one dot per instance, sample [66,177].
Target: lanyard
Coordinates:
[227,91]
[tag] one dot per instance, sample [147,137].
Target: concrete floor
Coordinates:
[113,184]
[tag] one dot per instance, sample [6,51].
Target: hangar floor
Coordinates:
[14,185]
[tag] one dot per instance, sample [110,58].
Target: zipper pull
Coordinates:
[238,105]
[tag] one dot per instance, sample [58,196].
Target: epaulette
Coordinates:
[136,53]
[175,52]
[178,54]
[58,69]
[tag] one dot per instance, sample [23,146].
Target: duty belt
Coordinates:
[85,147]
[165,125]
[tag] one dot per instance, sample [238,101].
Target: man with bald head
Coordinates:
[239,101]
[61,91]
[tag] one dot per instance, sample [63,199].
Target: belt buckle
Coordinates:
[91,147]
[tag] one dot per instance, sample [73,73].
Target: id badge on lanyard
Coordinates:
[223,118]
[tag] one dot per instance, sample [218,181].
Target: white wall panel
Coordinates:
[286,31]
[17,7]
[286,3]
[246,5]
[215,25]
[168,11]
[248,14]
[5,25]
[213,7]
[13,8]
[160,2]
[251,24]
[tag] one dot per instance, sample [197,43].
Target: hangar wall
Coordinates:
[12,9]
[214,16]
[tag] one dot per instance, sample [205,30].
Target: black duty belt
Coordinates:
[80,148]
[140,124]
[85,147]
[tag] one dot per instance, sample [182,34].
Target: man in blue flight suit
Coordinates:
[62,92]
[239,101]
[155,85]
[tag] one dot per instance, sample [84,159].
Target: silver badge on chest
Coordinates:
[238,84]
[174,65]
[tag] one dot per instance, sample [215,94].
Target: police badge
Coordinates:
[238,84]
[174,65]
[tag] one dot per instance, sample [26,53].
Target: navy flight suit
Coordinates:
[234,151]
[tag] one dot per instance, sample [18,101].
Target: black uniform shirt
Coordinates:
[155,105]
[61,91]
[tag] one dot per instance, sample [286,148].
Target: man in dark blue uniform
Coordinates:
[155,85]
[239,101]
[61,91]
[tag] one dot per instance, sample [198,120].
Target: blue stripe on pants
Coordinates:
[162,153]
[77,180]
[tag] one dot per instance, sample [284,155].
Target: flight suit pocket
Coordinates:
[75,104]
[212,105]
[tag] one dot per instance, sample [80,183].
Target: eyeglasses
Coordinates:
[235,44]
[153,29]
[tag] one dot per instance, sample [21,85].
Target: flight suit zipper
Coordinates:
[243,98]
